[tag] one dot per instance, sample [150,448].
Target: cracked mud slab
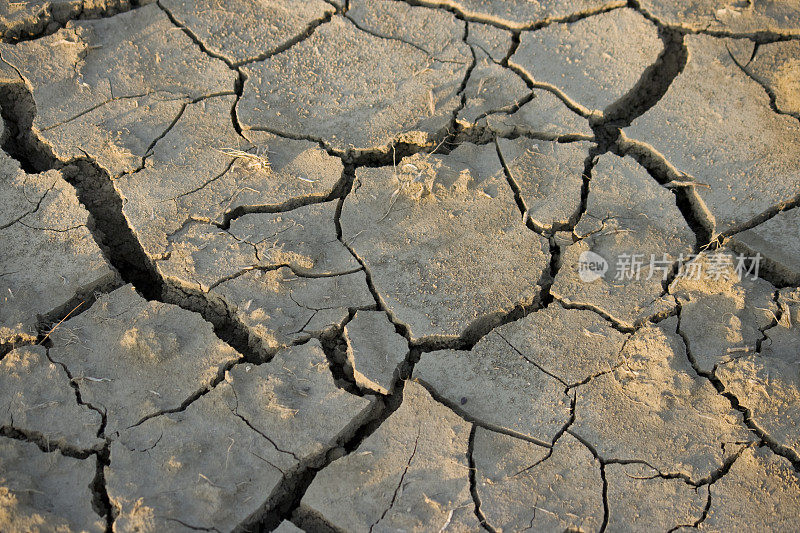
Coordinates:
[629,220]
[525,486]
[661,411]
[749,344]
[510,380]
[412,474]
[430,31]
[36,399]
[549,177]
[101,97]
[725,318]
[25,18]
[766,382]
[641,500]
[514,378]
[202,170]
[374,350]
[777,242]
[519,14]
[394,91]
[495,42]
[715,124]
[50,261]
[593,61]
[284,276]
[132,359]
[45,491]
[572,345]
[504,101]
[268,421]
[444,241]
[502,106]
[728,17]
[760,490]
[243,31]
[490,87]
[775,66]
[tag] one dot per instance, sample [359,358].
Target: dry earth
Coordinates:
[321,265]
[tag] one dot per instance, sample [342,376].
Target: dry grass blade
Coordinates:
[392,200]
[59,323]
[253,160]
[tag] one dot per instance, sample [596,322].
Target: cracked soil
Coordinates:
[321,265]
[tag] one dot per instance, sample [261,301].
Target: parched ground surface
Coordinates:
[320,265]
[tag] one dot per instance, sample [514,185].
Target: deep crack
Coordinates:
[747,416]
